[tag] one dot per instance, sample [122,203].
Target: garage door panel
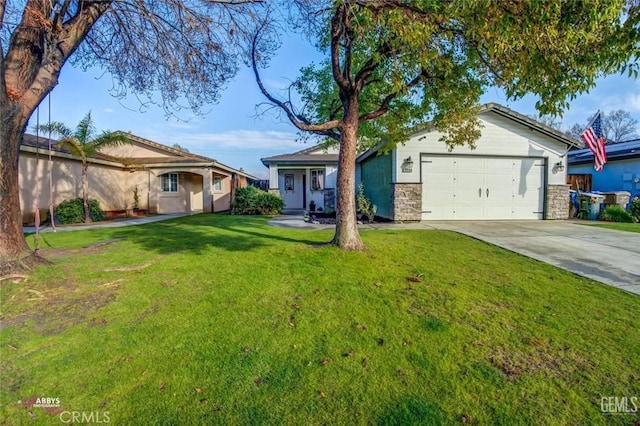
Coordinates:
[498,201]
[475,188]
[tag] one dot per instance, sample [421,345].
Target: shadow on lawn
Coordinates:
[200,232]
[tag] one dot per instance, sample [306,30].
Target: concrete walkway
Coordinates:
[106,224]
[605,255]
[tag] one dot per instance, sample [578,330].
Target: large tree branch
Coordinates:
[25,49]
[300,122]
[383,108]
[76,29]
[337,31]
[362,76]
[37,49]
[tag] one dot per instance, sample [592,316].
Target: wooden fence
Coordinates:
[579,182]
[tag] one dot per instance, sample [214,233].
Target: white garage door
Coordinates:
[477,188]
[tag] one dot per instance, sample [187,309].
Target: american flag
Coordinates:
[594,140]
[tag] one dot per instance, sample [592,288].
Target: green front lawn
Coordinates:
[214,319]
[629,227]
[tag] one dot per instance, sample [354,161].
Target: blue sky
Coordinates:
[232,132]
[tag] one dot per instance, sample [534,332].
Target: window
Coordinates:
[288,182]
[217,183]
[170,182]
[317,179]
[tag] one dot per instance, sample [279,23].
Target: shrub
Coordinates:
[635,208]
[365,206]
[72,211]
[251,200]
[616,214]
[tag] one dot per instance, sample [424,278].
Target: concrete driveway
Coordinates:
[605,255]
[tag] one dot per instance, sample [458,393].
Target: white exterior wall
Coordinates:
[335,149]
[331,176]
[294,199]
[500,137]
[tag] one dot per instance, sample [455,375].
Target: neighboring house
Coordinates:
[168,180]
[517,171]
[620,173]
[305,176]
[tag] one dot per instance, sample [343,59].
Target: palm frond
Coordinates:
[86,129]
[56,128]
[107,139]
[74,146]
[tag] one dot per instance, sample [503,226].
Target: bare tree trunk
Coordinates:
[347,236]
[85,194]
[12,242]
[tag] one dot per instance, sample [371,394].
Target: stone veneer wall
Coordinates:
[406,202]
[557,203]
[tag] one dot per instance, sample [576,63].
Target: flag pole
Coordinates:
[592,119]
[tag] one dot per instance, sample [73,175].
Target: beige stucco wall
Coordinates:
[106,184]
[193,192]
[113,185]
[222,198]
[134,150]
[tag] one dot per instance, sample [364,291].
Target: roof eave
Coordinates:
[34,150]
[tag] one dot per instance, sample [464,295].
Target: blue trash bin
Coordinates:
[594,206]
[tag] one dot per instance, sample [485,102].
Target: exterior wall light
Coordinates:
[407,165]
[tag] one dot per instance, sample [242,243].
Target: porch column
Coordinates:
[273,178]
[154,187]
[207,192]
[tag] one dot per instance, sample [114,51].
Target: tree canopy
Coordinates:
[392,65]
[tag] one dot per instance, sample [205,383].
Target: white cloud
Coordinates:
[251,140]
[108,110]
[632,102]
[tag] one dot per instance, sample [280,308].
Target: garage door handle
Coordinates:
[487,192]
[480,192]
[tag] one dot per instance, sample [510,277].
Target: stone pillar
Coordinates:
[406,202]
[557,202]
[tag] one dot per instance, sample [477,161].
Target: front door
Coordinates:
[291,183]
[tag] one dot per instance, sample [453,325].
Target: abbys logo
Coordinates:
[47,402]
[620,405]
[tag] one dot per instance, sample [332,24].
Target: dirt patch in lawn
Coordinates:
[540,357]
[53,314]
